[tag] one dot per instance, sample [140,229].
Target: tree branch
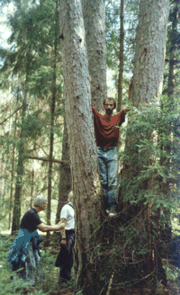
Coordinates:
[44,159]
[11,115]
[174,60]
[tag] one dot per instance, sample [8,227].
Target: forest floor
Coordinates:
[50,285]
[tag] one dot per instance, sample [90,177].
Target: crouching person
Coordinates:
[24,252]
[67,238]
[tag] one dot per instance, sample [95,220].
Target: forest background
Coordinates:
[134,249]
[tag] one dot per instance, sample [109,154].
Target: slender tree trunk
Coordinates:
[52,130]
[121,55]
[12,176]
[65,181]
[32,188]
[19,171]
[83,155]
[65,173]
[94,20]
[173,49]
[13,158]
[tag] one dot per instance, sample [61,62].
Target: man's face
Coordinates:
[44,205]
[109,106]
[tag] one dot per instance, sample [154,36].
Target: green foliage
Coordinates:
[172,275]
[153,152]
[32,125]
[31,69]
[9,287]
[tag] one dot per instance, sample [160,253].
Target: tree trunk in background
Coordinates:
[13,158]
[173,49]
[83,155]
[121,63]
[65,181]
[19,171]
[65,173]
[12,177]
[32,188]
[53,103]
[94,21]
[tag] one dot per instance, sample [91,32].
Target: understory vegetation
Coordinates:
[48,286]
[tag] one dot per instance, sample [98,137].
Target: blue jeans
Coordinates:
[108,165]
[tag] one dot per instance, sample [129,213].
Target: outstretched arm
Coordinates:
[44,227]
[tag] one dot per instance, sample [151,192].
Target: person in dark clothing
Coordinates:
[24,252]
[67,238]
[107,136]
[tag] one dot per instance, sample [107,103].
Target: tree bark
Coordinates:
[53,103]
[94,21]
[150,51]
[173,49]
[147,85]
[83,155]
[121,63]
[12,167]
[65,174]
[19,172]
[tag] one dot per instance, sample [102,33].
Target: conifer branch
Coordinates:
[44,159]
[11,115]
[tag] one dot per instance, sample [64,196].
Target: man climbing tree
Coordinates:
[107,136]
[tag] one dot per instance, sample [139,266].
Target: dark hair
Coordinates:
[110,98]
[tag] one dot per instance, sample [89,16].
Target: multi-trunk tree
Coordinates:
[147,82]
[107,252]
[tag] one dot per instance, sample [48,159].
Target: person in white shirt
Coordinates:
[67,238]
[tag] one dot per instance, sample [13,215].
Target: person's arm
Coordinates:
[44,227]
[63,241]
[95,112]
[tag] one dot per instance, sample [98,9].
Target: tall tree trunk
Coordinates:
[32,187]
[173,49]
[52,128]
[150,51]
[13,158]
[94,21]
[121,56]
[147,84]
[65,180]
[12,175]
[65,173]
[165,188]
[83,155]
[19,170]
